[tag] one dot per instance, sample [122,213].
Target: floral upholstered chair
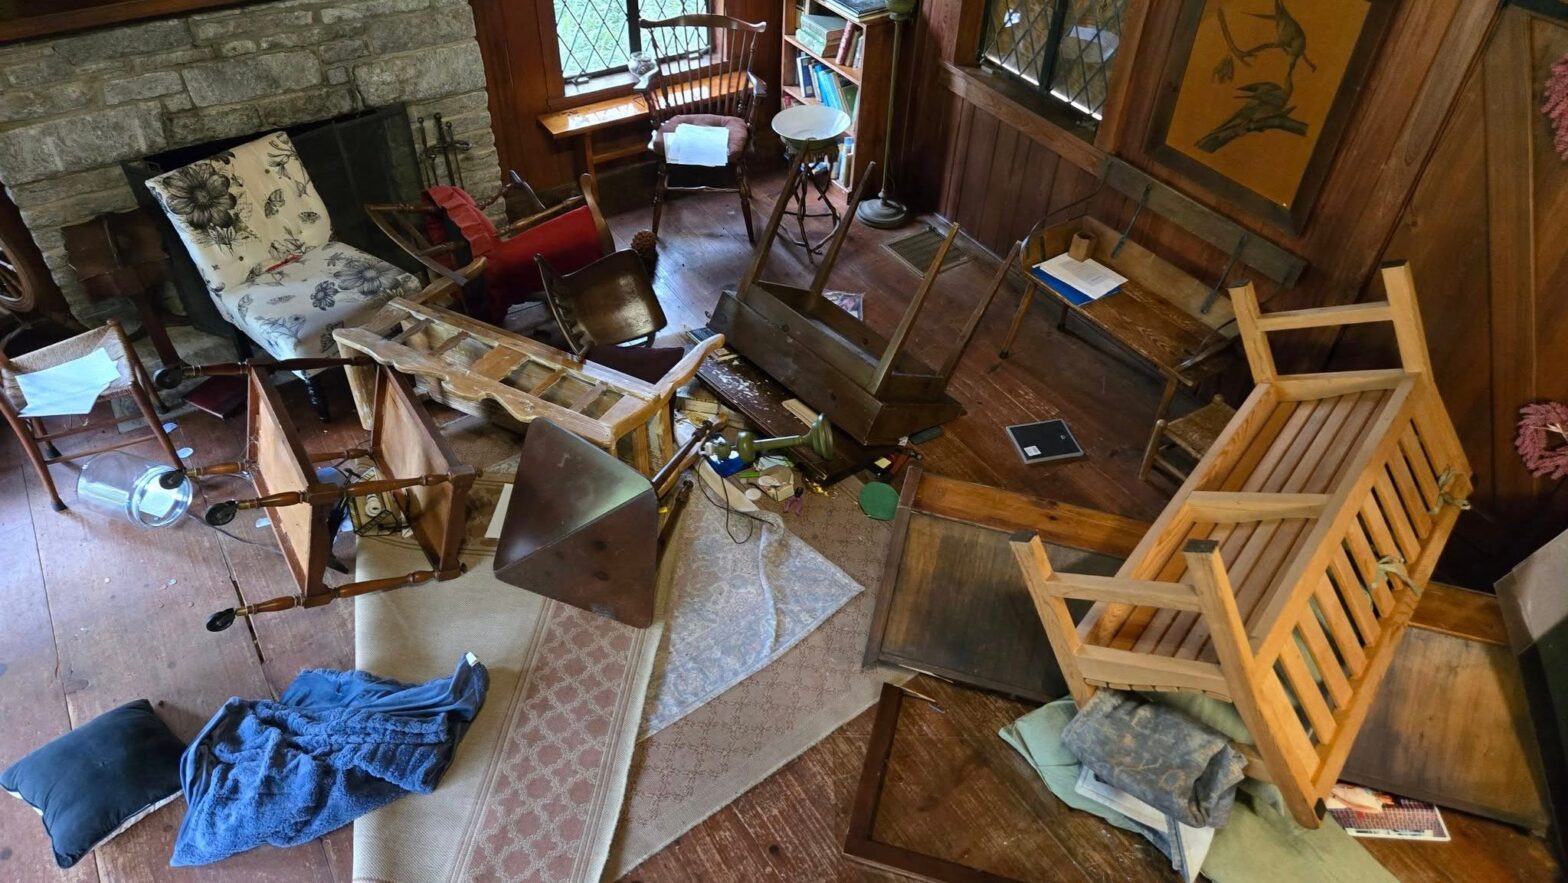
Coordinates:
[259,234]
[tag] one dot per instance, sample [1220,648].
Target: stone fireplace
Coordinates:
[73,108]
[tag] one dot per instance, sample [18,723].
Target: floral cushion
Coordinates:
[242,211]
[292,310]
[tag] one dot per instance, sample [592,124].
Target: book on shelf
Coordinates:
[850,93]
[820,33]
[860,51]
[827,86]
[806,73]
[845,42]
[844,174]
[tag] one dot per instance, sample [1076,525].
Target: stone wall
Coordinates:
[72,108]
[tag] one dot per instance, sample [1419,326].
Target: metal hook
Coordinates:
[1235,255]
[1142,201]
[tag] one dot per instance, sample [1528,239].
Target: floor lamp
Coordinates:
[884,210]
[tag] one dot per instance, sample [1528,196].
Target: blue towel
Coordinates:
[335,746]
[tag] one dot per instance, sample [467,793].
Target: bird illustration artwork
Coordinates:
[1265,105]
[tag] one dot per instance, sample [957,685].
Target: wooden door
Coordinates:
[1484,233]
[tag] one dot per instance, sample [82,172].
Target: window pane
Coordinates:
[1090,37]
[594,36]
[1018,35]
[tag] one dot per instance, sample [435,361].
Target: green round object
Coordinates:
[879,501]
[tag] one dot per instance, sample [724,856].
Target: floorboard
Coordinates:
[98,613]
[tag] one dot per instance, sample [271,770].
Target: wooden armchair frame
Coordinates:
[1282,575]
[404,224]
[723,86]
[409,452]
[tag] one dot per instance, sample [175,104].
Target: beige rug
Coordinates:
[702,762]
[537,785]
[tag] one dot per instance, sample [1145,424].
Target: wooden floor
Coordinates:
[98,613]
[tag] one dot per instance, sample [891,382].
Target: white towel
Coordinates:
[691,145]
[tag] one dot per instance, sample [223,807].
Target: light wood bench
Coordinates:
[1284,572]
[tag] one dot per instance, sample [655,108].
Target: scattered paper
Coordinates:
[691,145]
[1185,846]
[493,532]
[69,388]
[1092,278]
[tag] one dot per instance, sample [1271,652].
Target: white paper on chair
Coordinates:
[493,532]
[68,388]
[691,145]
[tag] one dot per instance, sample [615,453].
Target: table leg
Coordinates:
[585,157]
[1166,397]
[1018,321]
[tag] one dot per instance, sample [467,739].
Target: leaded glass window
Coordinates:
[599,36]
[1063,48]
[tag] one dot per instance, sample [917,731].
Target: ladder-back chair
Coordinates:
[133,382]
[703,78]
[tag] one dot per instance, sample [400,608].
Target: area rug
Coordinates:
[702,762]
[537,785]
[741,590]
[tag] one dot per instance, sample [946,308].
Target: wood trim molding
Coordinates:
[1028,113]
[17,25]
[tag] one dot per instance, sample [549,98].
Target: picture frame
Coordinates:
[1255,101]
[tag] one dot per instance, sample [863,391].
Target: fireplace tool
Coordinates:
[447,146]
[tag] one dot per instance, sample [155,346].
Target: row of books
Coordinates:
[832,37]
[819,81]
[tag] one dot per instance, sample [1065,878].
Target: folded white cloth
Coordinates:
[691,145]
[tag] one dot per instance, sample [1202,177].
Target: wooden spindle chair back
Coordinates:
[704,65]
[704,68]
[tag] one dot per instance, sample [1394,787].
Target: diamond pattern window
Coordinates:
[599,36]
[1062,48]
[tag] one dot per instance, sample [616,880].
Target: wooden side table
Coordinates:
[581,124]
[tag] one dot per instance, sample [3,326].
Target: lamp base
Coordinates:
[882,213]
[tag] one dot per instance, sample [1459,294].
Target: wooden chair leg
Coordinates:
[1018,322]
[39,430]
[1152,450]
[30,448]
[1167,396]
[660,192]
[144,404]
[313,392]
[745,202]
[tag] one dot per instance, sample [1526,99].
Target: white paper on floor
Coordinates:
[69,388]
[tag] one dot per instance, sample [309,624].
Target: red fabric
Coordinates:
[569,242]
[465,214]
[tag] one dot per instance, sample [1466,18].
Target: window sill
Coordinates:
[611,85]
[1047,122]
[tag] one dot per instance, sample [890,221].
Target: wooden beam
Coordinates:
[1305,387]
[1124,668]
[1222,507]
[1110,589]
[1323,317]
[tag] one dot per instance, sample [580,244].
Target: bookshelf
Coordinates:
[868,83]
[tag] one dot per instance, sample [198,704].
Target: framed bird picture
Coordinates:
[1257,94]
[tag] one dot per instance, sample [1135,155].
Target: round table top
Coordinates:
[810,126]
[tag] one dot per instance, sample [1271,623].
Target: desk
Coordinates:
[582,123]
[1157,315]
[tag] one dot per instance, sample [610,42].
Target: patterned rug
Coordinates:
[537,785]
[702,762]
[741,593]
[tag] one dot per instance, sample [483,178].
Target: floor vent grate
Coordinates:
[918,249]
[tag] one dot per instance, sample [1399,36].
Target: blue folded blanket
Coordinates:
[335,746]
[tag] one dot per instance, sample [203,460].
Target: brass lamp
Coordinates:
[884,210]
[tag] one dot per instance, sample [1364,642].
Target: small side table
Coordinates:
[812,134]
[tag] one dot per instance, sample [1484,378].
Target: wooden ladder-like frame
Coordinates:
[1301,659]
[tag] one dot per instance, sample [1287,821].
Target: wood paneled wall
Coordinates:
[512,35]
[1486,238]
[965,164]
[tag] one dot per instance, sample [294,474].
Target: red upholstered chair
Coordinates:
[449,231]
